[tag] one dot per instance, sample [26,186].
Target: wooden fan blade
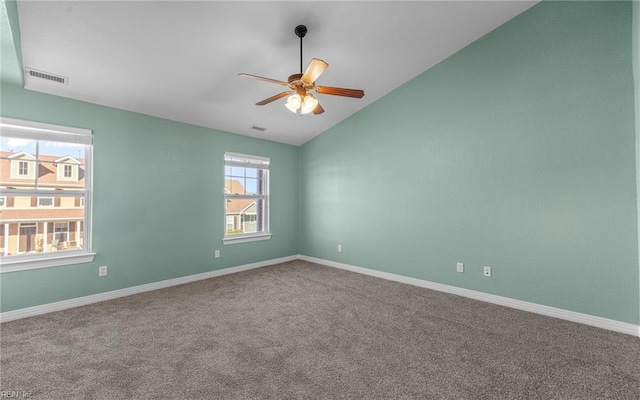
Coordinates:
[314,70]
[336,91]
[261,78]
[318,109]
[273,98]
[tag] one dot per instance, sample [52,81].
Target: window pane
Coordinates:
[251,186]
[245,216]
[61,165]
[237,172]
[43,220]
[244,180]
[252,172]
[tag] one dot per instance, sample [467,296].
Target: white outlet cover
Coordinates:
[339,248]
[217,254]
[102,271]
[460,267]
[487,271]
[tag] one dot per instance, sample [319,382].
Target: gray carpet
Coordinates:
[304,331]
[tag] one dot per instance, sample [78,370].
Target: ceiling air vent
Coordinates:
[32,73]
[258,128]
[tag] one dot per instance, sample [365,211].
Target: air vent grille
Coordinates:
[47,76]
[258,128]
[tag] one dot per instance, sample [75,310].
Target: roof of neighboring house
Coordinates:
[49,213]
[47,171]
[236,206]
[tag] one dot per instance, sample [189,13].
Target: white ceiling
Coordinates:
[179,60]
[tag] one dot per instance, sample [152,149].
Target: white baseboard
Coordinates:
[114,294]
[573,316]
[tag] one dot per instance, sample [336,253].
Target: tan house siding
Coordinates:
[28,226]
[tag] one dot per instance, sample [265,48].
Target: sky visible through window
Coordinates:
[248,177]
[49,148]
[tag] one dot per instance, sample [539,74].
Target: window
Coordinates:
[23,168]
[246,192]
[34,235]
[61,232]
[45,201]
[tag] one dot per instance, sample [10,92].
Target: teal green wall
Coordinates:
[158,199]
[518,153]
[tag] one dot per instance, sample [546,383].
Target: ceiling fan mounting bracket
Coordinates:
[300,31]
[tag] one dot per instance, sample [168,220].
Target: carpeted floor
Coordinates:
[300,330]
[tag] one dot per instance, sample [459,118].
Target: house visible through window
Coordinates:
[46,196]
[246,194]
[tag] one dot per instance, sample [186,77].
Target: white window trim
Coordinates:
[48,132]
[22,263]
[245,238]
[259,163]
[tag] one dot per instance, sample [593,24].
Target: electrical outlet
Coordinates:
[339,248]
[486,271]
[460,267]
[217,254]
[102,271]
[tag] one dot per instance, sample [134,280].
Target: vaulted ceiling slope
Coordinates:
[179,60]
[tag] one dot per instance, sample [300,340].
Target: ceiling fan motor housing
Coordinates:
[295,81]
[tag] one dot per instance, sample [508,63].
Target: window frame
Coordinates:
[38,131]
[256,162]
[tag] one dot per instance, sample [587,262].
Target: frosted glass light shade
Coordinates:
[309,103]
[293,102]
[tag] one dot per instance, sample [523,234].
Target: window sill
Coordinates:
[23,263]
[246,239]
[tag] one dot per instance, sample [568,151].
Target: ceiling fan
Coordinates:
[300,85]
